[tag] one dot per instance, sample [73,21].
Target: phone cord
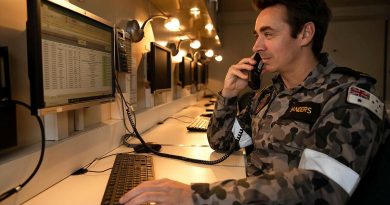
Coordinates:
[206,162]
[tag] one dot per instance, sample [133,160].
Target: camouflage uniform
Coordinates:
[348,133]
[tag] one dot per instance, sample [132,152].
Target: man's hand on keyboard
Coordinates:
[164,191]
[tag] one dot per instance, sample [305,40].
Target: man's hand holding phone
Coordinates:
[237,76]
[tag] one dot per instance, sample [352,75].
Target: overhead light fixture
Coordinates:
[163,43]
[173,24]
[218,58]
[209,27]
[209,53]
[183,37]
[137,33]
[177,59]
[182,52]
[195,11]
[195,44]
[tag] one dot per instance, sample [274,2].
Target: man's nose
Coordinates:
[259,45]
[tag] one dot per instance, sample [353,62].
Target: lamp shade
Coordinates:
[172,24]
[137,32]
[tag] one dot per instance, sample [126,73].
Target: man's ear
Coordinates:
[307,33]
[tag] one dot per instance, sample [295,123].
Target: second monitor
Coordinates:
[200,75]
[159,67]
[185,75]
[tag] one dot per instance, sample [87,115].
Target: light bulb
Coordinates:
[163,43]
[195,44]
[218,58]
[182,52]
[195,11]
[209,27]
[173,24]
[209,53]
[177,58]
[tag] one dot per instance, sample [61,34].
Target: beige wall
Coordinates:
[104,128]
[355,38]
[13,34]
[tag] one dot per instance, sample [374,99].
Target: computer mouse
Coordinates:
[140,148]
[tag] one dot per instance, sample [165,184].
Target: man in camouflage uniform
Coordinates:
[313,131]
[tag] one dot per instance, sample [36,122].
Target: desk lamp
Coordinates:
[137,33]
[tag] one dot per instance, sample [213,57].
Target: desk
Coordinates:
[173,131]
[89,188]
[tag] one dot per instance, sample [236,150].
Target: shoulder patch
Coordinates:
[354,73]
[361,97]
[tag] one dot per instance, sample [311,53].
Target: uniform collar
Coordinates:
[313,80]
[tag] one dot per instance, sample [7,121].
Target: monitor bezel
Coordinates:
[5,88]
[183,72]
[34,51]
[199,66]
[151,67]
[205,74]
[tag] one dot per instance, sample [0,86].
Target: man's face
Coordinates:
[277,48]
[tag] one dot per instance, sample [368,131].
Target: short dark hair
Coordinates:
[299,12]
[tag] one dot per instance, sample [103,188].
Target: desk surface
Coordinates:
[89,188]
[173,131]
[173,135]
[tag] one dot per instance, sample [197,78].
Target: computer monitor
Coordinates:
[8,132]
[5,90]
[198,73]
[70,57]
[159,67]
[185,71]
[205,74]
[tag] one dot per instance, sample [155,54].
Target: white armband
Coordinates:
[245,139]
[344,176]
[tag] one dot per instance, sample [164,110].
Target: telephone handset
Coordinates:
[254,75]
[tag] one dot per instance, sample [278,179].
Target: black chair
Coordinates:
[374,188]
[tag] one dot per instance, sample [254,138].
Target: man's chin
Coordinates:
[266,69]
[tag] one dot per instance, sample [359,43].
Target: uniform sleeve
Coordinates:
[219,132]
[349,134]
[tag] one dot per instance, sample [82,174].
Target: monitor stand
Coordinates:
[56,126]
[149,98]
[79,119]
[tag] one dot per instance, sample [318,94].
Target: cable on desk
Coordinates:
[12,191]
[176,118]
[85,168]
[132,119]
[131,114]
[127,137]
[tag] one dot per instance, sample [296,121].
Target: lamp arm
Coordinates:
[151,18]
[181,41]
[198,51]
